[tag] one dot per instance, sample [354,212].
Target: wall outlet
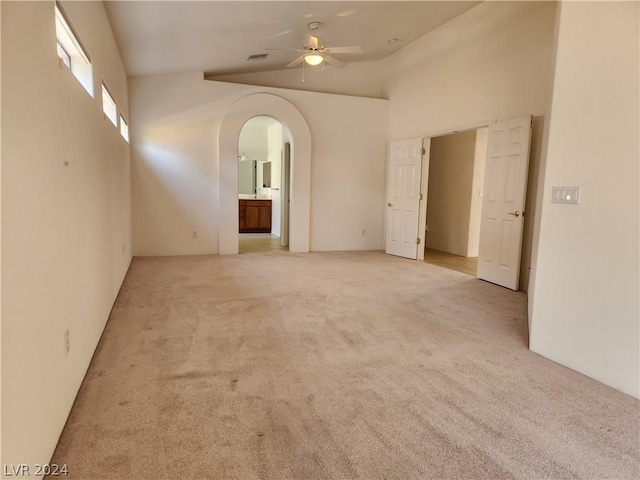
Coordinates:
[194,234]
[124,248]
[67,341]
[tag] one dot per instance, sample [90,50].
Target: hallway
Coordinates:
[260,243]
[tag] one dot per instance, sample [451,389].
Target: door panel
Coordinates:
[264,218]
[503,202]
[251,217]
[404,176]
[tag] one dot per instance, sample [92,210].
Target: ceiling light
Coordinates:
[392,41]
[313,59]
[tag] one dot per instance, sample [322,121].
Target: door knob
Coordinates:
[515,214]
[389,204]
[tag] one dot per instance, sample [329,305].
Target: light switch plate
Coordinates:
[566,195]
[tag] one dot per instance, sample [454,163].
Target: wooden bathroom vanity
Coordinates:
[255,215]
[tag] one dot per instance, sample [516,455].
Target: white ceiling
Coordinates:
[216,37]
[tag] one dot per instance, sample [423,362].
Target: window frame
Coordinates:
[66,59]
[124,132]
[76,58]
[105,91]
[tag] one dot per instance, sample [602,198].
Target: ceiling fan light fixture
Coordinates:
[313,59]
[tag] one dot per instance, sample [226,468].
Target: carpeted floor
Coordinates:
[333,366]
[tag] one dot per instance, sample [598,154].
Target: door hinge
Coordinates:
[420,196]
[418,241]
[423,151]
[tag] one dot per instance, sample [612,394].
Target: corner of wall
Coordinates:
[584,308]
[541,181]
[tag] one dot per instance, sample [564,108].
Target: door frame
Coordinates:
[424,191]
[285,193]
[426,144]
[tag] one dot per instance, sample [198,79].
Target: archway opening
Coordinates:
[263,186]
[299,140]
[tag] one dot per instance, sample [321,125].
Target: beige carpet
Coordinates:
[333,366]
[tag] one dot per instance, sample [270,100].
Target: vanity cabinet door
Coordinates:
[255,216]
[251,218]
[264,218]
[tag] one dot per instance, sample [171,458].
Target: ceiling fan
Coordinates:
[315,53]
[244,157]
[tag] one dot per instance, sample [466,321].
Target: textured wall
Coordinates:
[66,242]
[585,311]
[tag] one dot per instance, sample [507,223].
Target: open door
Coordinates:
[403,197]
[505,189]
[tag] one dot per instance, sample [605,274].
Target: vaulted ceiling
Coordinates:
[217,37]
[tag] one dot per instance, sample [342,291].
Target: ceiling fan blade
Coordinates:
[344,50]
[286,49]
[310,41]
[297,61]
[334,61]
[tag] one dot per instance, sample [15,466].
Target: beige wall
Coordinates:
[175,184]
[362,79]
[584,311]
[65,219]
[451,168]
[492,62]
[475,213]
[253,143]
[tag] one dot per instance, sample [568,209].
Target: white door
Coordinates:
[505,188]
[403,197]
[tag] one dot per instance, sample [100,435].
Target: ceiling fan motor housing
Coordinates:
[315,53]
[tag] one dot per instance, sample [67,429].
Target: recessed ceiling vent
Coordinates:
[259,56]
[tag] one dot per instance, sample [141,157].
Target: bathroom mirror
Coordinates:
[266,174]
[247,176]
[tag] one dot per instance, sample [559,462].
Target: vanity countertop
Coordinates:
[249,196]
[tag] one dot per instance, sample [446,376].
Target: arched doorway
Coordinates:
[263,104]
[262,186]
